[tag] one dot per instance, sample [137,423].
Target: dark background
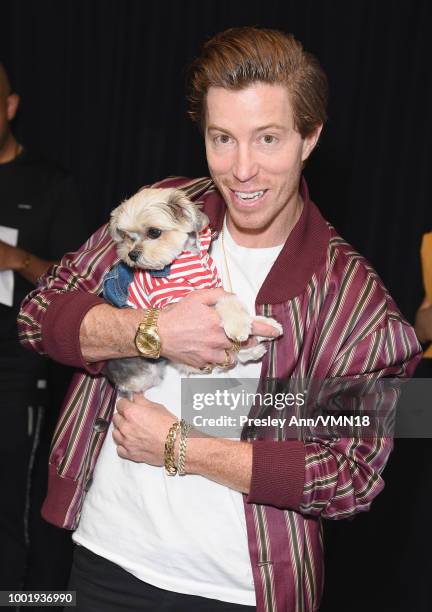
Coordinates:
[102,86]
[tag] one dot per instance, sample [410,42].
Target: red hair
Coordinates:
[238,57]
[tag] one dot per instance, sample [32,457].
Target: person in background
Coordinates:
[40,220]
[423,325]
[423,322]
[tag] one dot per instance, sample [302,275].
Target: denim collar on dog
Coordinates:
[160,273]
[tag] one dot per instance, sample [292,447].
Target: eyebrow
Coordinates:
[272,126]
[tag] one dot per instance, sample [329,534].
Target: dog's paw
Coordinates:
[254,353]
[268,321]
[235,319]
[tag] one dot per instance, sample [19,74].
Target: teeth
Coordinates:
[249,196]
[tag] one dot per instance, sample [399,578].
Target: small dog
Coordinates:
[160,233]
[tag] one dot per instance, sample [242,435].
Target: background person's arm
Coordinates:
[28,265]
[423,322]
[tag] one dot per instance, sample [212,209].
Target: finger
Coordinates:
[220,357]
[139,398]
[228,361]
[260,328]
[225,344]
[216,351]
[251,341]
[236,346]
[118,421]
[122,452]
[122,405]
[118,437]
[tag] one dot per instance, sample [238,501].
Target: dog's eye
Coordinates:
[154,232]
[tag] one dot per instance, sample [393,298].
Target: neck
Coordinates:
[10,149]
[275,233]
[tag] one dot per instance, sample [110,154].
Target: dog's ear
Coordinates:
[187,212]
[116,234]
[191,243]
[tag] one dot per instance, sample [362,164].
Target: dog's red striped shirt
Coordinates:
[188,272]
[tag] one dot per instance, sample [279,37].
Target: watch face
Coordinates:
[148,342]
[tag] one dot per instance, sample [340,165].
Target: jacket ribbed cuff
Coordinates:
[278,473]
[61,329]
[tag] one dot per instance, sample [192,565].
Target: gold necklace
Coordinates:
[225,258]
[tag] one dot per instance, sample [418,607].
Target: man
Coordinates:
[241,530]
[36,198]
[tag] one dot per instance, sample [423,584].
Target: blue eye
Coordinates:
[222,139]
[269,139]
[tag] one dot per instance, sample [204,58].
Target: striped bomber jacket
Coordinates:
[338,321]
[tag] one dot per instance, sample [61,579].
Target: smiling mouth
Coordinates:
[249,196]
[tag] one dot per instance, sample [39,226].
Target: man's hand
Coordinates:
[140,430]
[191,330]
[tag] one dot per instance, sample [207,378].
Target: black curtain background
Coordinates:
[102,86]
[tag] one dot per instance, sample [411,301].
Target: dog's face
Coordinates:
[154,226]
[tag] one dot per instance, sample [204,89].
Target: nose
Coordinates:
[245,166]
[134,255]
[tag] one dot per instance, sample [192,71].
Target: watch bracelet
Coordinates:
[151,317]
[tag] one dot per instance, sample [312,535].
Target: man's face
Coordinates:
[255,158]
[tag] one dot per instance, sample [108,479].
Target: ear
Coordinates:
[113,225]
[310,142]
[191,244]
[187,212]
[12,103]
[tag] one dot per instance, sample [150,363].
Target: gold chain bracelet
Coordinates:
[169,462]
[185,429]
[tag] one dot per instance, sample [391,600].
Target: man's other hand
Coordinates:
[191,330]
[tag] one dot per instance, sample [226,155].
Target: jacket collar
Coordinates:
[303,254]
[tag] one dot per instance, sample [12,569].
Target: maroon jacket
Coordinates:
[338,321]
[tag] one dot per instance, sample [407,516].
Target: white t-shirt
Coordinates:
[186,535]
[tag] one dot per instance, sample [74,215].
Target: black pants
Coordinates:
[102,585]
[33,554]
[17,447]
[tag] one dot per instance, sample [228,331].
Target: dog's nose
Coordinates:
[134,255]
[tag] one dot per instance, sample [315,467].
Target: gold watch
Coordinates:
[147,340]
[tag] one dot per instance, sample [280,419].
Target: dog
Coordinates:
[159,232]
